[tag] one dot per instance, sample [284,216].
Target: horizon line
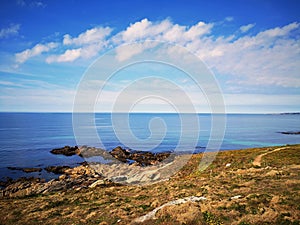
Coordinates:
[151,112]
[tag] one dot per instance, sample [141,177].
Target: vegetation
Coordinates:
[240,193]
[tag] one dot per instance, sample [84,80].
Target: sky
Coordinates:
[252,47]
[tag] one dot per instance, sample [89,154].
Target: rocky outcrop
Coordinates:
[57,169]
[141,158]
[73,178]
[120,166]
[290,132]
[67,151]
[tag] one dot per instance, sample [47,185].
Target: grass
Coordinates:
[269,194]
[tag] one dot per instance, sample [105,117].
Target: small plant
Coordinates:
[211,219]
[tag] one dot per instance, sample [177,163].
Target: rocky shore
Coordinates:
[123,167]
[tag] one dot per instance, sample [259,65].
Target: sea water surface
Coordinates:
[27,138]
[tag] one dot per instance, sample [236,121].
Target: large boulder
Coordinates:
[120,154]
[67,151]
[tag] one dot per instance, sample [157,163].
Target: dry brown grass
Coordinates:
[269,195]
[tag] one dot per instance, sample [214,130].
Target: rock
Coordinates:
[103,223]
[97,183]
[290,132]
[14,168]
[62,177]
[21,187]
[73,178]
[141,158]
[26,170]
[87,152]
[236,197]
[228,165]
[120,154]
[31,170]
[57,169]
[119,179]
[67,151]
[80,171]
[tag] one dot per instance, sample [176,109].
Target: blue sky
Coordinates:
[252,47]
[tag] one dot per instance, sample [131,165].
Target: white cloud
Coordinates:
[91,36]
[246,28]
[163,31]
[198,30]
[279,31]
[12,30]
[270,57]
[35,51]
[128,51]
[142,30]
[90,43]
[67,56]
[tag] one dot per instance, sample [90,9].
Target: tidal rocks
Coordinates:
[57,169]
[26,170]
[74,178]
[87,152]
[120,154]
[290,132]
[141,158]
[67,151]
[31,170]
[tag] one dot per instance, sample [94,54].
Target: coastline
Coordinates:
[234,187]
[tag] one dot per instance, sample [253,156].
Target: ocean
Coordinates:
[27,138]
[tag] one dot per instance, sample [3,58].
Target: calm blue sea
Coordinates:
[27,138]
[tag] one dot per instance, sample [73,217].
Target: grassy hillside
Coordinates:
[257,186]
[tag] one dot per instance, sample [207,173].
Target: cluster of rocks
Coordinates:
[72,178]
[124,166]
[49,169]
[140,158]
[67,151]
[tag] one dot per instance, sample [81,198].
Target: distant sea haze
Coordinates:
[27,138]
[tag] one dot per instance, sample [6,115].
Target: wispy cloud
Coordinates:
[246,28]
[12,30]
[35,51]
[229,18]
[33,4]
